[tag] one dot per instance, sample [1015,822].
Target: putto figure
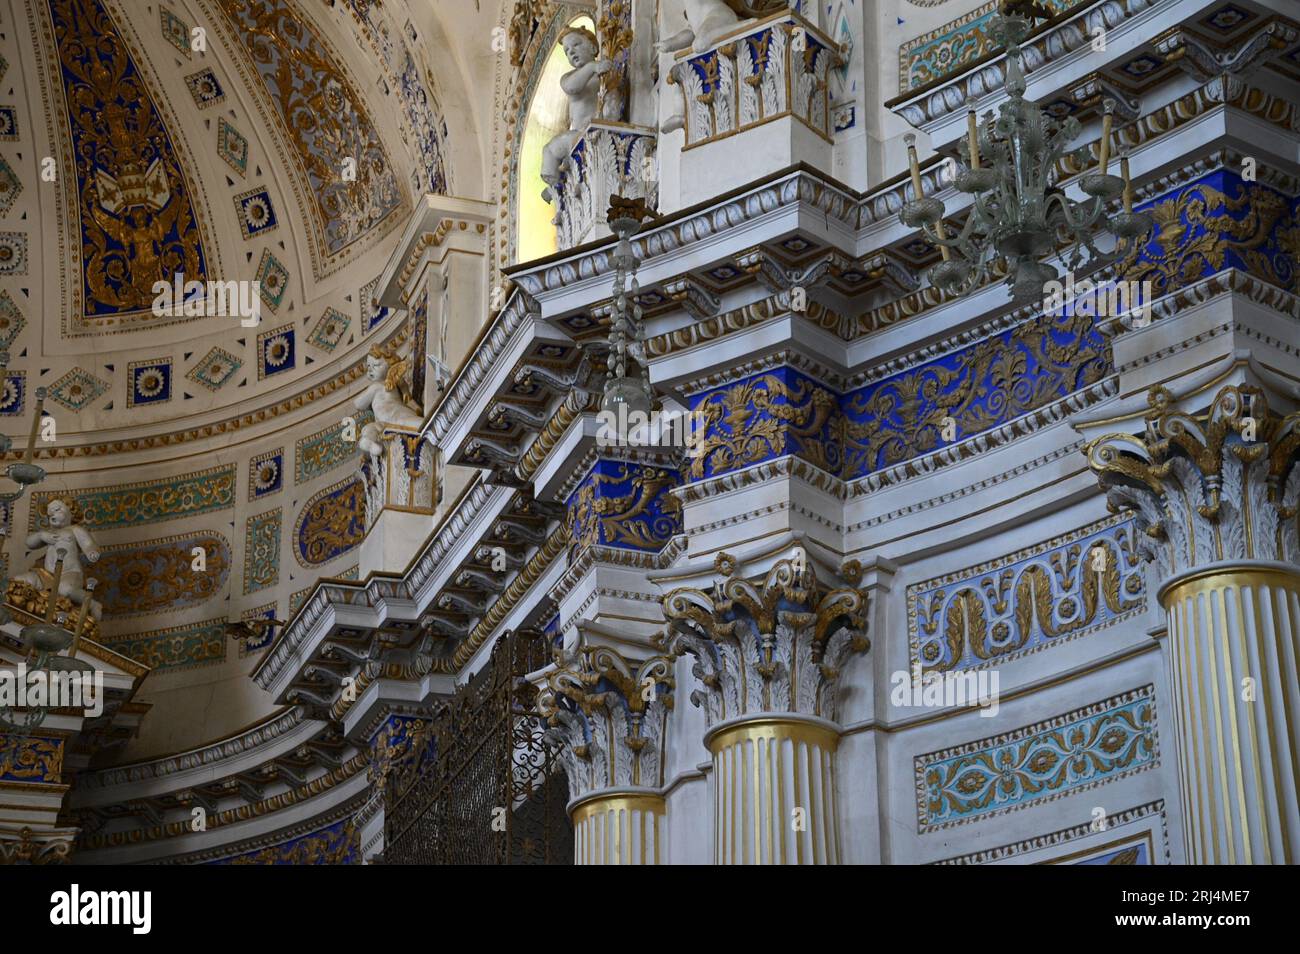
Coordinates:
[68,541]
[388,396]
[582,86]
[706,21]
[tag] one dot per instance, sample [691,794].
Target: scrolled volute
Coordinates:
[608,714]
[775,645]
[1219,485]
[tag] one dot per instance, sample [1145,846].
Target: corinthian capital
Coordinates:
[1220,485]
[609,714]
[774,645]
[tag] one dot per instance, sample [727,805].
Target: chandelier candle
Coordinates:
[1103,160]
[36,426]
[972,134]
[939,231]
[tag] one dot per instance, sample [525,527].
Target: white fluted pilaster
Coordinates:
[774,791]
[1238,761]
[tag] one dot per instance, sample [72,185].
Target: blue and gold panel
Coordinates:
[762,417]
[625,505]
[948,48]
[978,387]
[137,219]
[13,389]
[248,647]
[338,844]
[205,88]
[1215,223]
[266,474]
[1129,851]
[149,382]
[331,523]
[146,501]
[256,217]
[324,119]
[420,329]
[372,313]
[1047,594]
[176,647]
[159,576]
[399,751]
[1069,753]
[262,550]
[275,351]
[31,758]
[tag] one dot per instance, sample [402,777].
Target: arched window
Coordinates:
[548,114]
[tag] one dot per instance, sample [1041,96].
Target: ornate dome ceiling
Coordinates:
[205,141]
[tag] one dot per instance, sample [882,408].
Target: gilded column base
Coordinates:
[1233,645]
[774,790]
[619,827]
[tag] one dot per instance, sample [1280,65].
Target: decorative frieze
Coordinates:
[625,505]
[1026,601]
[1078,750]
[609,159]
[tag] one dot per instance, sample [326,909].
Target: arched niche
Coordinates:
[546,114]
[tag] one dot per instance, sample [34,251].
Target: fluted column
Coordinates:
[769,654]
[1216,495]
[609,714]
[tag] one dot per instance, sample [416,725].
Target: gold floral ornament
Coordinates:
[610,715]
[1219,485]
[778,645]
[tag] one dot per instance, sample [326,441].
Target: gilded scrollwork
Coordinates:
[1047,594]
[762,417]
[1217,222]
[774,645]
[980,387]
[138,224]
[625,505]
[609,715]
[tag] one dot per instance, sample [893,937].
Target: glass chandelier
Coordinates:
[1019,214]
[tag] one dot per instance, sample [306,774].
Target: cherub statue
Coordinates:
[67,541]
[706,20]
[387,395]
[582,86]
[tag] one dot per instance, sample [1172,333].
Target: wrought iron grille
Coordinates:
[489,790]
